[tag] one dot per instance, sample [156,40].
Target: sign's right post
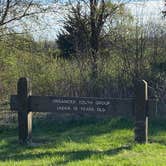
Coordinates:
[141,115]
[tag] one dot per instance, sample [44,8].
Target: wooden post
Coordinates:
[141,117]
[24,116]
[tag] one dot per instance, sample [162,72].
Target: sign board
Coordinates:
[25,104]
[74,104]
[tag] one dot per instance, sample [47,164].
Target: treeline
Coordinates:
[101,51]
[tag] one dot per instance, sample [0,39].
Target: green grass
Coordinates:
[86,142]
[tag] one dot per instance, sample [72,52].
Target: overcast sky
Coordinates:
[144,9]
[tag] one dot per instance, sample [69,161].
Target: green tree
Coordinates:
[74,38]
[84,28]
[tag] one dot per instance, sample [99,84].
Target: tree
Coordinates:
[13,11]
[74,38]
[89,23]
[164,10]
[100,10]
[66,45]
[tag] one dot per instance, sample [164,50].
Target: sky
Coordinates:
[151,8]
[142,9]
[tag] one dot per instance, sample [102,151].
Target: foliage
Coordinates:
[128,51]
[52,75]
[75,36]
[84,28]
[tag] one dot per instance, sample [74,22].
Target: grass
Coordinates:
[86,142]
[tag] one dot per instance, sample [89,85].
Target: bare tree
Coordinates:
[12,11]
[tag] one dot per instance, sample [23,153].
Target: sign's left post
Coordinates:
[24,114]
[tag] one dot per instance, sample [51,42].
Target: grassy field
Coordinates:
[86,142]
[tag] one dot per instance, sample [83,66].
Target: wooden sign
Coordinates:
[74,104]
[25,104]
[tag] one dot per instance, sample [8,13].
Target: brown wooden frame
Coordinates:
[25,104]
